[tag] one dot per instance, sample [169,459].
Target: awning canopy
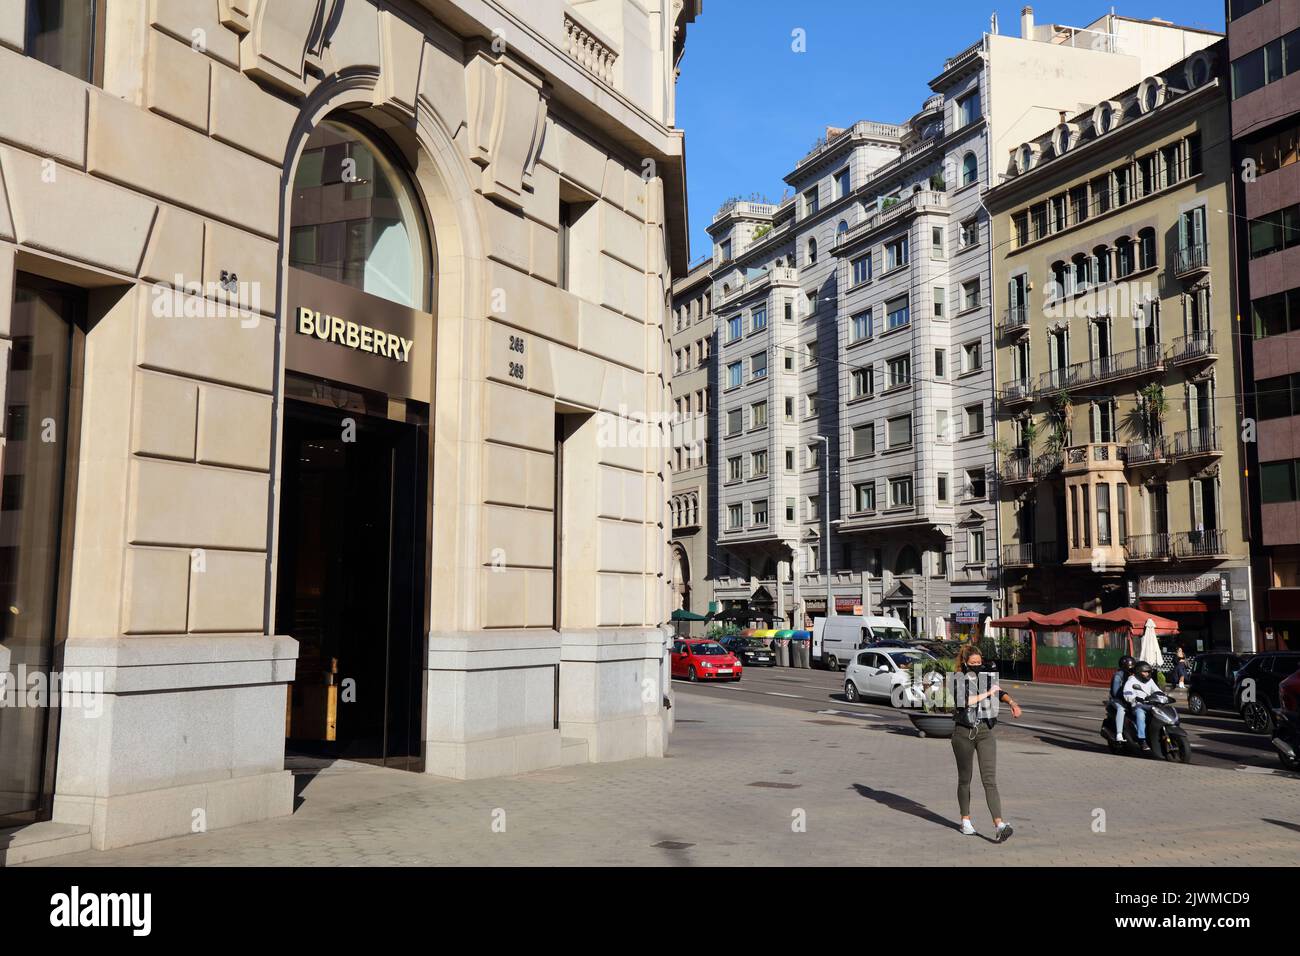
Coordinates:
[681,614]
[1070,617]
[1137,620]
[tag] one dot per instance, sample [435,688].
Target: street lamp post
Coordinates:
[826,522]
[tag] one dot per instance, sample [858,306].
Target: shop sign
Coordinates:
[353,335]
[967,615]
[1181,585]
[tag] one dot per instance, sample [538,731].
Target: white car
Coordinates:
[875,673]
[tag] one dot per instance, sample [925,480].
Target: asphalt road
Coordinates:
[1060,717]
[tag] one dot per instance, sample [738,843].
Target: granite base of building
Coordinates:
[168,736]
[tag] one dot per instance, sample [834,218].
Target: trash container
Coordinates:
[803,656]
[781,645]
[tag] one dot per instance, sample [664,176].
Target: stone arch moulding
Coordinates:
[446,189]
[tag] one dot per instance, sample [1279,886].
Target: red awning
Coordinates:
[1175,606]
[1070,617]
[1137,619]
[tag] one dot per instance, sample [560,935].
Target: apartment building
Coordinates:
[331,332]
[1264,50]
[690,518]
[855,401]
[1121,464]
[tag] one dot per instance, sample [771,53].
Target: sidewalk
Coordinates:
[737,777]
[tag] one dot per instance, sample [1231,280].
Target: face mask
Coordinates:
[973,668]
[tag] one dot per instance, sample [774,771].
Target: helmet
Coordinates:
[1143,670]
[1127,664]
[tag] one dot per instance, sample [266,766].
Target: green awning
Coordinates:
[683,615]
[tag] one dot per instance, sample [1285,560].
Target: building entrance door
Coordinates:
[350,583]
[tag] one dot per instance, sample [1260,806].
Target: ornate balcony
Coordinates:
[1197,347]
[1198,442]
[1191,261]
[1201,544]
[1146,548]
[587,46]
[1046,464]
[1144,360]
[1014,320]
[1150,451]
[1016,469]
[1016,393]
[1099,456]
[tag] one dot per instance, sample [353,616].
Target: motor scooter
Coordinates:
[1165,735]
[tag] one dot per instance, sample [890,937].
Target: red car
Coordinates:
[703,659]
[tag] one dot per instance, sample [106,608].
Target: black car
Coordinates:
[1210,684]
[752,651]
[1254,692]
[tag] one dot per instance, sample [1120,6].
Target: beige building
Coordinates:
[693,372]
[334,339]
[1120,456]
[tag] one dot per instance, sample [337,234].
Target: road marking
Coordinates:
[850,713]
[774,693]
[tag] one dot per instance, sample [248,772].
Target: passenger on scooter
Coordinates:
[1123,670]
[1137,689]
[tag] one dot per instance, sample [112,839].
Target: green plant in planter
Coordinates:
[938,701]
[1059,418]
[719,631]
[937,183]
[761,231]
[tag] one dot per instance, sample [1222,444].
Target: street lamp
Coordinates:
[826,516]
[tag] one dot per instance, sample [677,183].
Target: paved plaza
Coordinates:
[739,781]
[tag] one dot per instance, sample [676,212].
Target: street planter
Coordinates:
[932,725]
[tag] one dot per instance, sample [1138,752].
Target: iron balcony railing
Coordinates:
[1105,368]
[1147,451]
[1189,260]
[1149,547]
[1018,391]
[1018,555]
[1198,441]
[1201,544]
[1046,463]
[1014,319]
[1017,468]
[1190,348]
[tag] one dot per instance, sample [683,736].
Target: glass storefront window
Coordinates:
[356,218]
[36,414]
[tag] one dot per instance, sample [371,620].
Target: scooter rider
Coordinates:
[1137,689]
[1123,671]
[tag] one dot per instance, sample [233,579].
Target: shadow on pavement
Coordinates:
[1282,823]
[904,805]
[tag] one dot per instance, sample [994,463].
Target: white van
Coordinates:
[836,638]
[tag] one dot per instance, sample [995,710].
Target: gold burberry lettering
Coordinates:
[331,328]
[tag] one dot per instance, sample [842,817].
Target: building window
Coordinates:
[758,365]
[734,329]
[1268,64]
[734,377]
[970,169]
[942,432]
[862,269]
[814,507]
[812,252]
[735,422]
[864,496]
[900,492]
[896,254]
[970,233]
[735,517]
[975,546]
[724,251]
[861,328]
[974,420]
[940,363]
[366,233]
[810,353]
[759,510]
[758,415]
[758,320]
[864,440]
[62,34]
[975,486]
[968,109]
[789,510]
[941,488]
[1275,231]
[789,408]
[899,371]
[810,204]
[1147,249]
[972,358]
[735,468]
[970,295]
[863,382]
[936,242]
[898,433]
[789,459]
[842,183]
[815,455]
[897,315]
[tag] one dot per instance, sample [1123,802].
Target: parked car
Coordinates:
[876,672]
[1286,723]
[1210,684]
[750,650]
[1254,690]
[835,638]
[699,659]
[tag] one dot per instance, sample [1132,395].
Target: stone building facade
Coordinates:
[332,331]
[855,320]
[1118,409]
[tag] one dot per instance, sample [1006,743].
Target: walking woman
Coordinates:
[973,736]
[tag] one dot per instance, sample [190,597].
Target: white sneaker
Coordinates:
[968,828]
[1003,832]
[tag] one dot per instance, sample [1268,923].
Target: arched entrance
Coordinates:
[351,577]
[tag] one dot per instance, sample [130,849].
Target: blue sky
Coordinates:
[744,96]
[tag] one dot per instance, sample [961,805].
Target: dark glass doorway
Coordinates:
[350,583]
[41,405]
